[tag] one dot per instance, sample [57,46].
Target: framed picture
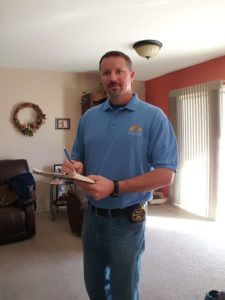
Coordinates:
[57,168]
[62,123]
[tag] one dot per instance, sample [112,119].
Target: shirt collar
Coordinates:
[131,105]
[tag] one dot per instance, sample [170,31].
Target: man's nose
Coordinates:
[113,76]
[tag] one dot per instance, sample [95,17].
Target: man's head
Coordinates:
[117,75]
[116,54]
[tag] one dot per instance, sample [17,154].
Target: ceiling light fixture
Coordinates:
[147,48]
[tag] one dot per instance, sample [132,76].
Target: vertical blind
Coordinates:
[221,173]
[195,115]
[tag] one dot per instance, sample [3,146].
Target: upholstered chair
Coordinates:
[17,215]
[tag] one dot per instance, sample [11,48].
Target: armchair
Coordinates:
[17,219]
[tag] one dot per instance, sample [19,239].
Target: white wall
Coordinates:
[58,94]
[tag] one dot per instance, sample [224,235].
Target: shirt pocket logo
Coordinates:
[135,130]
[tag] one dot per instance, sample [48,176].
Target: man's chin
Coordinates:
[114,92]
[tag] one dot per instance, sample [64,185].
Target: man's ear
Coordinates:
[132,75]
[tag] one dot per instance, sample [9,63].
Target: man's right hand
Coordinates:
[69,167]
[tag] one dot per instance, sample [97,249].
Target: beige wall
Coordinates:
[139,88]
[58,94]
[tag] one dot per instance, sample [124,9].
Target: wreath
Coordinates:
[29,128]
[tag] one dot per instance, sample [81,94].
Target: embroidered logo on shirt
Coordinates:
[135,130]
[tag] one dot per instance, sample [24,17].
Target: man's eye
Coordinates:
[105,73]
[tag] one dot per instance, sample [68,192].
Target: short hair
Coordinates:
[117,54]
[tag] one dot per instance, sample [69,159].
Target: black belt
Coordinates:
[112,213]
[108,213]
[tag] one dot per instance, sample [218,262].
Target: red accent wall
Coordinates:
[157,89]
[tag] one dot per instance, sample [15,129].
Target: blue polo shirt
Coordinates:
[123,143]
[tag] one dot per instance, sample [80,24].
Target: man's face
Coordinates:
[116,76]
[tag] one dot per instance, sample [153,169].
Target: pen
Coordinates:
[68,156]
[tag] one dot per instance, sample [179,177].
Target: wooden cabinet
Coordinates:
[91,99]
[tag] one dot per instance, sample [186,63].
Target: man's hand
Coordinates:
[69,167]
[102,187]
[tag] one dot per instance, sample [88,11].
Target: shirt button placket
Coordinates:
[113,121]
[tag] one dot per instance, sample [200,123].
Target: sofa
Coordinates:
[17,215]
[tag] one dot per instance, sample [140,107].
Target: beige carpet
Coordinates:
[184,258]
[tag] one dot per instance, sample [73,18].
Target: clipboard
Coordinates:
[72,177]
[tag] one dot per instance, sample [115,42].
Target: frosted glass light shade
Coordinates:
[147,48]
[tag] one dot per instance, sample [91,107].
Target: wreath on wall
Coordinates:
[30,128]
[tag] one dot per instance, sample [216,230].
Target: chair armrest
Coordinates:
[24,202]
[29,201]
[30,219]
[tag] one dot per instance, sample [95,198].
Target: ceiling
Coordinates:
[72,35]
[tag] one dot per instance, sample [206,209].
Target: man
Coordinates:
[128,147]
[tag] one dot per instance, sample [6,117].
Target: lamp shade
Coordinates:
[147,48]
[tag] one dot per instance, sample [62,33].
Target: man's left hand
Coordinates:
[102,187]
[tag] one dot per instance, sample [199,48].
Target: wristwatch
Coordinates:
[116,191]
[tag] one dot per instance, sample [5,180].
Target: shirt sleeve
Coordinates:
[163,150]
[78,149]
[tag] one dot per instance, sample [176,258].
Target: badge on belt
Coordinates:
[137,213]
